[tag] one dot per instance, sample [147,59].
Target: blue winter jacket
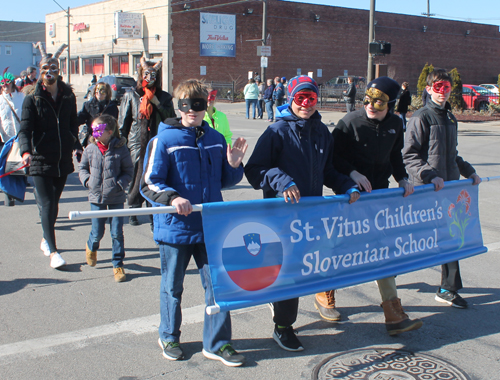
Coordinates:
[190,163]
[298,150]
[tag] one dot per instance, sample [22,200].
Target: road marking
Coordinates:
[43,346]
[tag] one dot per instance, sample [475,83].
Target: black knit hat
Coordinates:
[387,85]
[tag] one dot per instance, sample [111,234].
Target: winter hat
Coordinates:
[298,83]
[386,85]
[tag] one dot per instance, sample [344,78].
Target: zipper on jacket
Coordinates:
[58,134]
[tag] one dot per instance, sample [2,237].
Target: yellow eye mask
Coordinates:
[378,99]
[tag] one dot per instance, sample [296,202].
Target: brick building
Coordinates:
[324,40]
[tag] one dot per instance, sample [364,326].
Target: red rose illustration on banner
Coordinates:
[460,214]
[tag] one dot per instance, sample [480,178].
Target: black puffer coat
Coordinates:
[371,147]
[430,148]
[49,130]
[93,108]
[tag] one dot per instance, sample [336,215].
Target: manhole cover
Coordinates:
[386,364]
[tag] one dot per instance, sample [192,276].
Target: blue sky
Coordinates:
[480,11]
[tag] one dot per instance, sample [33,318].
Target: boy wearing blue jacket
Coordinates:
[188,163]
[294,156]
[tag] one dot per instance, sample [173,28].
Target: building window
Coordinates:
[119,64]
[93,66]
[62,66]
[75,66]
[8,50]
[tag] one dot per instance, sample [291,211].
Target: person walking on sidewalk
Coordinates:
[368,145]
[350,95]
[251,92]
[294,157]
[106,170]
[268,100]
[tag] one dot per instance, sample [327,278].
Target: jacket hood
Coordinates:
[175,122]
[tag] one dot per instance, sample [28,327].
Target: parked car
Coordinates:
[119,84]
[335,87]
[475,98]
[493,92]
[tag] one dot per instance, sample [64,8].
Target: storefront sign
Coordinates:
[217,35]
[128,25]
[80,27]
[52,30]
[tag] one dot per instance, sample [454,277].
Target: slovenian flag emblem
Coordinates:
[252,255]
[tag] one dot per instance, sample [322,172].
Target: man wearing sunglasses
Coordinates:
[368,145]
[438,162]
[294,158]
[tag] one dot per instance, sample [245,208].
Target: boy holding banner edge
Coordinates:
[368,145]
[294,157]
[188,162]
[431,156]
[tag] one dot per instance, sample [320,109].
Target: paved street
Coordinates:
[77,323]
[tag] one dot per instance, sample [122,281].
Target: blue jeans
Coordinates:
[97,232]
[403,117]
[269,109]
[260,103]
[249,102]
[174,261]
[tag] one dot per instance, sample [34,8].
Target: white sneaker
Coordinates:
[44,246]
[57,261]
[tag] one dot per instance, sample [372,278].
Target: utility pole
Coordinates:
[67,60]
[428,14]
[264,32]
[68,64]
[371,37]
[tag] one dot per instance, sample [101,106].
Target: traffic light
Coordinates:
[380,48]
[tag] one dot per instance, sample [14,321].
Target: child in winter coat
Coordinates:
[106,170]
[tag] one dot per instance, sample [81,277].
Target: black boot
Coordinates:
[133,221]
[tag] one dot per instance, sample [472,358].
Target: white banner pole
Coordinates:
[160,210]
[126,212]
[489,179]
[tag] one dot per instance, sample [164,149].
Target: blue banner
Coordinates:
[267,250]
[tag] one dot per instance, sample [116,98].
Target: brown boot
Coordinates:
[396,320]
[119,274]
[325,303]
[91,256]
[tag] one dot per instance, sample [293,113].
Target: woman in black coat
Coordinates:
[404,102]
[100,104]
[47,138]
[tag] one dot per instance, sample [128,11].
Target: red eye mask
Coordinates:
[212,95]
[305,99]
[442,87]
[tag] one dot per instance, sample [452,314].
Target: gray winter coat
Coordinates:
[430,148]
[106,176]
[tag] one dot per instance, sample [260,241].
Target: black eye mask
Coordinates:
[196,104]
